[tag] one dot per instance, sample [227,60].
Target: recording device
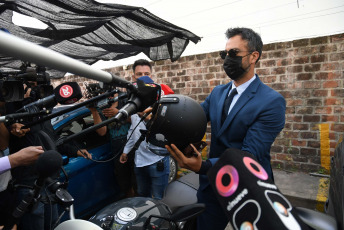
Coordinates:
[107,102]
[11,90]
[65,94]
[34,77]
[95,89]
[141,97]
[160,166]
[248,196]
[28,51]
[20,116]
[144,96]
[47,164]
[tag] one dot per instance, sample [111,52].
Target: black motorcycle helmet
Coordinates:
[178,120]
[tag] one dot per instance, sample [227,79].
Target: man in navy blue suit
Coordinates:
[251,121]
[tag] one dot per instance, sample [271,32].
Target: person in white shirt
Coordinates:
[152,165]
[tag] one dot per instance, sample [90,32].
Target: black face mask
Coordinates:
[233,67]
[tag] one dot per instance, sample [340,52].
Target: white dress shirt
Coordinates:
[143,155]
[240,89]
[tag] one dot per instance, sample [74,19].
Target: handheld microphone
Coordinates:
[47,165]
[65,94]
[248,196]
[68,93]
[145,96]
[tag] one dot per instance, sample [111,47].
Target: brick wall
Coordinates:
[307,72]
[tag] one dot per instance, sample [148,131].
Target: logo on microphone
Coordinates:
[255,168]
[66,91]
[233,176]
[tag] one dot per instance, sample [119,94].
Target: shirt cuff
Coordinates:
[4,164]
[206,165]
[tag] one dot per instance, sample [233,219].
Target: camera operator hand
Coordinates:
[17,131]
[25,156]
[193,163]
[110,112]
[84,153]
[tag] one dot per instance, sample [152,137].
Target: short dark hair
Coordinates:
[141,62]
[254,41]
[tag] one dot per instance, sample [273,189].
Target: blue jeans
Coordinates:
[150,181]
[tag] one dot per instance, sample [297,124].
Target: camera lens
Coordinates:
[5,92]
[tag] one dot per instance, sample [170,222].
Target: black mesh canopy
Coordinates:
[90,31]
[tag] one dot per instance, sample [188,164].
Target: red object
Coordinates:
[66,91]
[166,90]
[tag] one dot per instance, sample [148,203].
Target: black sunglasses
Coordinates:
[232,53]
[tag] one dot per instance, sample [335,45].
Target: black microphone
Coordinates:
[105,103]
[132,106]
[248,195]
[66,93]
[20,116]
[47,165]
[145,96]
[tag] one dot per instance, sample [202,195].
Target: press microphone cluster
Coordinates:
[65,94]
[47,165]
[144,96]
[141,97]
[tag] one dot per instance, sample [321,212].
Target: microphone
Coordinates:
[145,96]
[106,102]
[248,196]
[20,116]
[28,51]
[68,93]
[47,165]
[65,94]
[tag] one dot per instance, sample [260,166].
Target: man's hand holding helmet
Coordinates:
[193,163]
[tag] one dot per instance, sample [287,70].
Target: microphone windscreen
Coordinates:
[248,196]
[68,93]
[48,163]
[147,93]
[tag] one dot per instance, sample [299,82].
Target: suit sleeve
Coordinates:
[265,129]
[206,105]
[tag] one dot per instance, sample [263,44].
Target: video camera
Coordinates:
[95,89]
[34,77]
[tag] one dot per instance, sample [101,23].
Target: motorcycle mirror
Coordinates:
[187,212]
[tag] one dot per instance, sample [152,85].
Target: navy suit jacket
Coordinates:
[252,125]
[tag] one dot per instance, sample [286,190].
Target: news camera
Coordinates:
[33,77]
[95,89]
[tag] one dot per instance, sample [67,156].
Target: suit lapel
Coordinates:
[247,95]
